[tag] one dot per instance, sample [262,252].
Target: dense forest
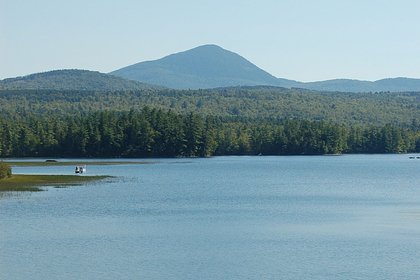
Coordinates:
[157,122]
[377,109]
[151,132]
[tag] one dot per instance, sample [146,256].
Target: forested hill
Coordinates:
[347,85]
[400,109]
[72,80]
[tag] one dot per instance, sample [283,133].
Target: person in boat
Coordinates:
[77,170]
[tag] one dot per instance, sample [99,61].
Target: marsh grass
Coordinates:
[34,182]
[69,163]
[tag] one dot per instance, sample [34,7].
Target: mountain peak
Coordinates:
[208,48]
[206,66]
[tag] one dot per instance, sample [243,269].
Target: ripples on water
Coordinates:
[346,217]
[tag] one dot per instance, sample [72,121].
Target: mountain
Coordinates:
[203,67]
[71,80]
[346,85]
[398,84]
[211,66]
[207,66]
[343,85]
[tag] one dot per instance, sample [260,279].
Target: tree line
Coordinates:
[399,109]
[163,133]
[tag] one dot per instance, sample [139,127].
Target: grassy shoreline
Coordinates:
[70,163]
[35,182]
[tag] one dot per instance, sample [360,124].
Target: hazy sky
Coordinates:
[300,40]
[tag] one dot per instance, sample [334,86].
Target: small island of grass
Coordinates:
[20,182]
[34,182]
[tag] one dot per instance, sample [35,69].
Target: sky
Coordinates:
[293,39]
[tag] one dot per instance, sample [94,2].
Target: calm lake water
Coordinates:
[337,217]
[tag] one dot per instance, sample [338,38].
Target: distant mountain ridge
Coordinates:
[71,79]
[203,67]
[346,85]
[210,66]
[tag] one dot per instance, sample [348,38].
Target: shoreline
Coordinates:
[32,162]
[34,183]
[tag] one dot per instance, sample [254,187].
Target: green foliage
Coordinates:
[33,182]
[228,121]
[164,133]
[5,170]
[398,109]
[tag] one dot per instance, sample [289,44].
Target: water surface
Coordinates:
[330,217]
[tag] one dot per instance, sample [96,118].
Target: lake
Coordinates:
[319,217]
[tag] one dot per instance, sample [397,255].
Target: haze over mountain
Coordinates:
[211,66]
[207,66]
[71,80]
